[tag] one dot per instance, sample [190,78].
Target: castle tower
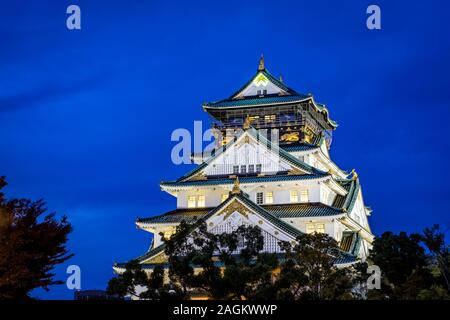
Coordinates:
[284,181]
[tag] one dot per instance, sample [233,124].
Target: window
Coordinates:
[251,168]
[224,197]
[258,168]
[235,169]
[294,196]
[310,228]
[168,233]
[304,195]
[191,201]
[270,117]
[259,198]
[315,227]
[320,227]
[269,197]
[201,201]
[243,169]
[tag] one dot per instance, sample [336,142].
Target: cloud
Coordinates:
[33,98]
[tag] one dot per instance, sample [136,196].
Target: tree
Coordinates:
[136,283]
[234,266]
[30,246]
[434,240]
[404,265]
[221,266]
[309,273]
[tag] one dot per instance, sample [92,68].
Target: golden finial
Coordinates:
[354,174]
[247,123]
[236,188]
[281,78]
[261,66]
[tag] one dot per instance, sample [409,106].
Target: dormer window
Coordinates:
[261,92]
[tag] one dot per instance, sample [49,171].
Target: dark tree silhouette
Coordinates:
[30,246]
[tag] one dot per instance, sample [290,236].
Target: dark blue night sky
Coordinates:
[86,116]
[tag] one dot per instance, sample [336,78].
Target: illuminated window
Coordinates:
[269,197]
[251,168]
[294,196]
[253,118]
[201,201]
[168,233]
[320,227]
[315,227]
[243,169]
[258,168]
[310,228]
[259,198]
[304,195]
[235,169]
[270,117]
[191,202]
[224,197]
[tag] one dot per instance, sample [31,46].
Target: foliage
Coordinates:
[414,266]
[309,271]
[235,266]
[30,246]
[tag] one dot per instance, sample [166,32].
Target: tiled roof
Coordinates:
[252,101]
[152,252]
[302,210]
[295,210]
[273,217]
[243,180]
[300,147]
[348,201]
[256,101]
[177,215]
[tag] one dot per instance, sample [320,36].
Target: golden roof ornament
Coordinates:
[261,66]
[354,174]
[281,78]
[236,189]
[246,124]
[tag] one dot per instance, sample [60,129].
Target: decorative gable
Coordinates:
[247,155]
[236,213]
[260,85]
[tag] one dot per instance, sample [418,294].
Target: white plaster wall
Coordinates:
[213,197]
[281,192]
[246,154]
[300,223]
